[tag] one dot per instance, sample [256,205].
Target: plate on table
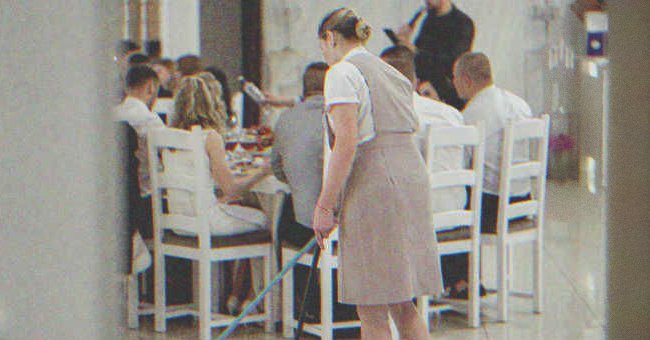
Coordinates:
[243,167]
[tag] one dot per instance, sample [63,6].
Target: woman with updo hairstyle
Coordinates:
[194,105]
[376,184]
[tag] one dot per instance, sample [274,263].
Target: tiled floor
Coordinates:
[574,282]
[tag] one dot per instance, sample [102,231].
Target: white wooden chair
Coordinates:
[458,231]
[203,247]
[530,133]
[326,265]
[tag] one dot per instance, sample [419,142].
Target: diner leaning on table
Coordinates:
[375,174]
[194,105]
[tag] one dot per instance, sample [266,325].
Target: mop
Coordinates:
[233,325]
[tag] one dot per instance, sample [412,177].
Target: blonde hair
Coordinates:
[194,105]
[346,22]
[216,90]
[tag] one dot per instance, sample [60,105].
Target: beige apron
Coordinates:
[388,250]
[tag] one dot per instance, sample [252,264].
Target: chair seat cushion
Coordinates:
[456,234]
[255,237]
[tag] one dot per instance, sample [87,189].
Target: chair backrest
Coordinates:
[530,133]
[167,148]
[469,139]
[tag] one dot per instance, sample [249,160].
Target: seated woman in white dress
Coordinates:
[196,104]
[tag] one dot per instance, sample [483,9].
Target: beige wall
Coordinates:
[221,43]
[290,41]
[179,28]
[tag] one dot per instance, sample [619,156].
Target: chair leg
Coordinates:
[268,299]
[132,301]
[216,278]
[142,279]
[502,283]
[537,277]
[326,305]
[394,333]
[510,273]
[160,312]
[287,300]
[205,300]
[423,310]
[195,286]
[473,308]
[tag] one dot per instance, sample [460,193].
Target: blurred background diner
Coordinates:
[78,234]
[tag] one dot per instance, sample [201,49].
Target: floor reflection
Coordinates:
[574,282]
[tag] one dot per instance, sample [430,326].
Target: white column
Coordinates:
[61,226]
[179,28]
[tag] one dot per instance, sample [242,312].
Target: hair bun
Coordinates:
[362,29]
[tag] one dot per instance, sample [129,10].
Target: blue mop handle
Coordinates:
[233,325]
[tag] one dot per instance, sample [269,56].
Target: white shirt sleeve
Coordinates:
[143,123]
[342,84]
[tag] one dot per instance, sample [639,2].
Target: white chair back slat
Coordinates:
[526,170]
[522,209]
[529,129]
[184,223]
[176,181]
[452,219]
[456,135]
[452,178]
[169,138]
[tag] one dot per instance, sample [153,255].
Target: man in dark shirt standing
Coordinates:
[445,34]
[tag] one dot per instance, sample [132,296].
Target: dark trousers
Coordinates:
[289,230]
[140,220]
[297,235]
[455,267]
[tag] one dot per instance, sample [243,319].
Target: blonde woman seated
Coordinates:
[195,105]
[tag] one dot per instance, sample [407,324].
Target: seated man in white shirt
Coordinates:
[135,109]
[435,114]
[494,107]
[141,91]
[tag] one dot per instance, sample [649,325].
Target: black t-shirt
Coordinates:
[440,41]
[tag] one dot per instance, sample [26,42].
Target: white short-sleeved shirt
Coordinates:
[495,107]
[344,84]
[137,114]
